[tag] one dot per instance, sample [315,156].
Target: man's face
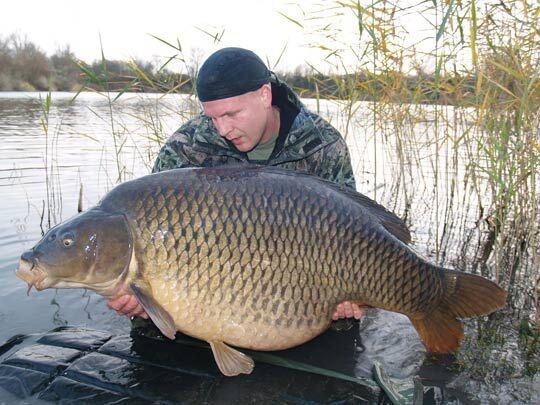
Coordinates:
[242,119]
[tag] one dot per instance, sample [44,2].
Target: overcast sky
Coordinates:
[125,27]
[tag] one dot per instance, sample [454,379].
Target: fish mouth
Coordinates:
[31,274]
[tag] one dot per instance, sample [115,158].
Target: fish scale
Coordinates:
[259,257]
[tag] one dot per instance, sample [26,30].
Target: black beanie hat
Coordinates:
[230,72]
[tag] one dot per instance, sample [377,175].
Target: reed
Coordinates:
[465,136]
[478,107]
[51,210]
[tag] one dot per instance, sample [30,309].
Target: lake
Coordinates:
[40,176]
[97,142]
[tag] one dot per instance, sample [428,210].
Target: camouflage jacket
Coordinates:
[312,146]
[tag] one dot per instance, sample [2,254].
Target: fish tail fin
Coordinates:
[465,295]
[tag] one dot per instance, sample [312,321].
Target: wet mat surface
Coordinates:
[73,365]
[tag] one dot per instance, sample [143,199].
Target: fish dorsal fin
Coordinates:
[230,361]
[390,221]
[161,318]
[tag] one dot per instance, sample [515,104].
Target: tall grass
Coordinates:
[51,211]
[136,77]
[468,131]
[484,61]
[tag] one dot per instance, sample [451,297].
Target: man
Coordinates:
[251,116]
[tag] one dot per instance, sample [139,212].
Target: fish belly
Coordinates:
[248,324]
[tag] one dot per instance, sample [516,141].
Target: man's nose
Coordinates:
[222,126]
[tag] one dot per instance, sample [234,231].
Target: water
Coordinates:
[46,158]
[96,143]
[40,176]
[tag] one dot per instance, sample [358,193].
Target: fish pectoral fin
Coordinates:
[230,361]
[161,318]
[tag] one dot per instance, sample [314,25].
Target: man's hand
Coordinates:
[127,305]
[347,309]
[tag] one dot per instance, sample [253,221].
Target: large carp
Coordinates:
[254,257]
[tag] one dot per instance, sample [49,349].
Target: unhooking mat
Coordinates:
[70,365]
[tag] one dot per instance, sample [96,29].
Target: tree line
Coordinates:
[25,67]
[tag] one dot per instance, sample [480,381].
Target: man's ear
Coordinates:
[266,94]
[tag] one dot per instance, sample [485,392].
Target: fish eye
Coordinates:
[67,240]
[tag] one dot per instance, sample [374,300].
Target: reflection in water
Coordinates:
[57,319]
[85,309]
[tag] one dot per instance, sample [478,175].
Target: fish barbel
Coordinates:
[254,257]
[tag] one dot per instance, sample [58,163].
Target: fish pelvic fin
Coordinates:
[466,295]
[230,361]
[161,318]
